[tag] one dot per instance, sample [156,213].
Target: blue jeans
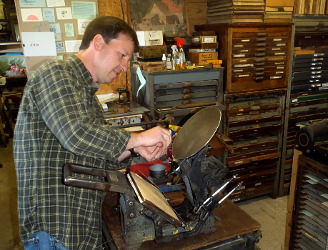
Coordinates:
[43,241]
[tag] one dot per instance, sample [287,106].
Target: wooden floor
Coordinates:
[270,213]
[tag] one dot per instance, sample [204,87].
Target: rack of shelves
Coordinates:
[307,97]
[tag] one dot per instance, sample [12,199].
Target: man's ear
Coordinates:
[98,42]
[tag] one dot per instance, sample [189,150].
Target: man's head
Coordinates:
[106,48]
[109,28]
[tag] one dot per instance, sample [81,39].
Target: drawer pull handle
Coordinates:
[186,91]
[186,102]
[188,96]
[187,84]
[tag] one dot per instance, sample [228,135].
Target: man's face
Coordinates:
[113,58]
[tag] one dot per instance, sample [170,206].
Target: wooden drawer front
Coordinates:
[254,107]
[245,146]
[252,157]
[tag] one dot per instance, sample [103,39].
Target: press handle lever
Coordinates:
[113,181]
[209,201]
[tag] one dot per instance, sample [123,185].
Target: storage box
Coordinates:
[151,66]
[201,58]
[204,39]
[150,38]
[205,45]
[152,51]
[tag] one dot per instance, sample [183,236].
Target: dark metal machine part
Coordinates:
[308,135]
[196,133]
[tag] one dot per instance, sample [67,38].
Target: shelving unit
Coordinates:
[256,58]
[10,47]
[307,97]
[254,121]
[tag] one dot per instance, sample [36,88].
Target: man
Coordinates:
[60,120]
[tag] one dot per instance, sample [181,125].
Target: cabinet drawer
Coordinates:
[171,104]
[190,76]
[185,84]
[185,90]
[245,145]
[188,96]
[236,134]
[254,157]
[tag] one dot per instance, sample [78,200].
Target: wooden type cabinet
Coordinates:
[308,215]
[255,55]
[308,92]
[179,92]
[254,122]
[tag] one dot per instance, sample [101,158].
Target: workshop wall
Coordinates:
[196,11]
[118,8]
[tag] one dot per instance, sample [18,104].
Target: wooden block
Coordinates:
[214,62]
[279,3]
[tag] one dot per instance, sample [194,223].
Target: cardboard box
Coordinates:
[150,38]
[152,51]
[151,66]
[201,58]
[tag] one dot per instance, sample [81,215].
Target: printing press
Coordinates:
[146,213]
[312,140]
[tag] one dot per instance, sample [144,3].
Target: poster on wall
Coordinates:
[166,15]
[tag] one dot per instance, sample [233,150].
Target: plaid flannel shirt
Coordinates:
[60,120]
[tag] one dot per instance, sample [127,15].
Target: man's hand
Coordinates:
[150,144]
[150,153]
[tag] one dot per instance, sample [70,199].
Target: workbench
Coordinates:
[235,229]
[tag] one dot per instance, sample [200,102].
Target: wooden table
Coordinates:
[232,222]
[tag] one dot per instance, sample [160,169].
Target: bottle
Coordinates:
[168,62]
[182,56]
[174,57]
[164,61]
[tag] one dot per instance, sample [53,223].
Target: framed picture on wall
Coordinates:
[166,15]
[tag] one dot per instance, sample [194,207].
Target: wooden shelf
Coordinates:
[11,47]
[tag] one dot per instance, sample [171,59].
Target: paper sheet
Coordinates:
[32,15]
[72,45]
[141,79]
[39,44]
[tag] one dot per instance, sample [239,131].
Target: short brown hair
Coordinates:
[109,27]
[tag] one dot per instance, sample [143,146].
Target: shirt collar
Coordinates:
[83,71]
